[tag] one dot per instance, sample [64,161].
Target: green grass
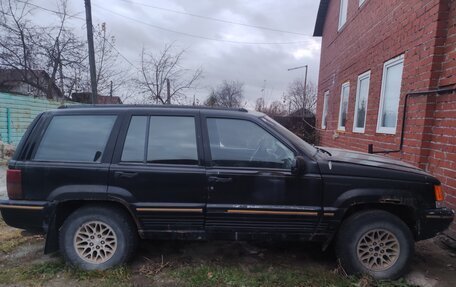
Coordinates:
[191,275]
[216,275]
[38,274]
[119,276]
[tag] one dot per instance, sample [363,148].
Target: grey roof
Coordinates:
[321,17]
[38,77]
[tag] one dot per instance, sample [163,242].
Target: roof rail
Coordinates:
[150,106]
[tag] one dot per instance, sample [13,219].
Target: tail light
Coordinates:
[438,192]
[14,183]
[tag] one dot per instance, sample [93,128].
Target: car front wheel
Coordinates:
[375,242]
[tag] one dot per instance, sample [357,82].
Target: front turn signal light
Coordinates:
[438,192]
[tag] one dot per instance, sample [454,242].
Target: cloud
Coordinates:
[257,66]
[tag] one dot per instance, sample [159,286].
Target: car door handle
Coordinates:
[125,174]
[216,179]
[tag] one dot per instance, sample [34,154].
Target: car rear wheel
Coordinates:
[376,243]
[97,238]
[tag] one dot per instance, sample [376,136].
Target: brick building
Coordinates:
[388,78]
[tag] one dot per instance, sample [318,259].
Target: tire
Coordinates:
[376,243]
[97,238]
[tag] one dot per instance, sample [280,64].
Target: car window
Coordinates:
[243,143]
[172,139]
[79,138]
[289,135]
[135,141]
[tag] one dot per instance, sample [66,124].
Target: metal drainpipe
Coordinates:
[8,126]
[370,147]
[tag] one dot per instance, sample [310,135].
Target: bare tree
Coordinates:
[157,69]
[260,105]
[17,51]
[297,100]
[110,77]
[29,49]
[229,94]
[63,51]
[276,108]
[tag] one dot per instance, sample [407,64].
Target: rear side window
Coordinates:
[169,140]
[79,138]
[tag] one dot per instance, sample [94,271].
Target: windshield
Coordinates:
[308,148]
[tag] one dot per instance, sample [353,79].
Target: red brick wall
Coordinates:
[441,161]
[425,32]
[447,45]
[442,149]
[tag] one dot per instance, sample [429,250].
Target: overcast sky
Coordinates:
[256,65]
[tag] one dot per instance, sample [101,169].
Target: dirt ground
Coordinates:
[159,263]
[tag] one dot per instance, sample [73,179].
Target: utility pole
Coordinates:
[93,76]
[168,92]
[305,86]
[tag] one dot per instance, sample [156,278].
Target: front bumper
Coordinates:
[434,221]
[25,214]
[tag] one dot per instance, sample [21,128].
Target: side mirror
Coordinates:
[298,165]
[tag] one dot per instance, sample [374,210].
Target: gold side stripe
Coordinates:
[439,216]
[242,211]
[328,214]
[21,207]
[151,209]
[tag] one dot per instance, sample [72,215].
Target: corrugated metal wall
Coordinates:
[17,112]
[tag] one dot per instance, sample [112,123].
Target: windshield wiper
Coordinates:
[323,150]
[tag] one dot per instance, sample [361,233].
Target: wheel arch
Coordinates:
[400,202]
[404,212]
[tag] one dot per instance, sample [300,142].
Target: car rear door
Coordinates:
[157,169]
[251,189]
[70,157]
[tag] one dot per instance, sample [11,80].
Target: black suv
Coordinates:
[96,179]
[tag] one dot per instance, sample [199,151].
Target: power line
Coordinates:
[53,11]
[123,57]
[215,19]
[196,36]
[82,19]
[165,29]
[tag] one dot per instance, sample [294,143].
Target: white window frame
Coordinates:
[344,85]
[364,76]
[390,63]
[341,12]
[324,113]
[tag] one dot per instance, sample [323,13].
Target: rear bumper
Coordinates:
[434,221]
[25,214]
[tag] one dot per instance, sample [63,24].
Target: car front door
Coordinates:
[157,169]
[252,191]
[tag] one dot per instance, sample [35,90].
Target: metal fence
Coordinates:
[17,112]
